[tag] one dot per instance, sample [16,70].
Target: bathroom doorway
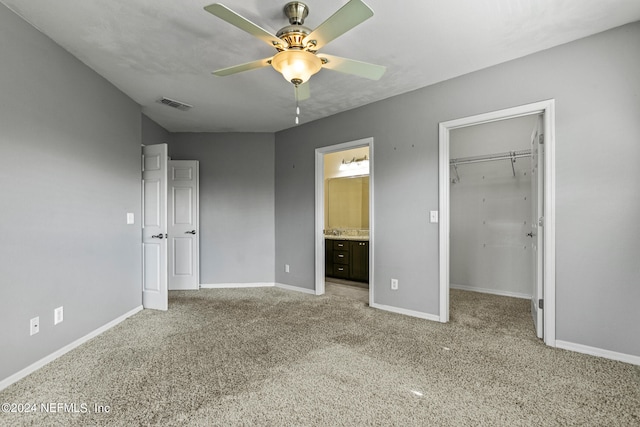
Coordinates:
[346,219]
[344,212]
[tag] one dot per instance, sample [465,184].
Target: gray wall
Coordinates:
[597,91]
[153,133]
[70,171]
[236,203]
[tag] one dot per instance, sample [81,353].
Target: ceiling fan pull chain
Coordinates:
[297,106]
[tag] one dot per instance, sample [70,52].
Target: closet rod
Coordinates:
[510,155]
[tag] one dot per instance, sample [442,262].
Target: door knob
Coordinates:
[157,236]
[190,232]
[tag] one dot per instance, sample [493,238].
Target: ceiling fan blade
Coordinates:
[348,16]
[243,67]
[226,14]
[303,91]
[351,66]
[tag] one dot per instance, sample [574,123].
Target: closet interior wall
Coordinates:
[490,210]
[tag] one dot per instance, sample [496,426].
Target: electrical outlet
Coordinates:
[394,284]
[58,315]
[286,268]
[34,326]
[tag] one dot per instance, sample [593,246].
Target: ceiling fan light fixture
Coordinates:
[296,66]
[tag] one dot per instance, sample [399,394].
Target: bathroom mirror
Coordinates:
[347,203]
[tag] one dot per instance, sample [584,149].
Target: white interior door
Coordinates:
[154,227]
[183,225]
[537,226]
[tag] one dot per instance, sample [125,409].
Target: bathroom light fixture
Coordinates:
[360,165]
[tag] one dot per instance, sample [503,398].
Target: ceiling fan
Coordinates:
[298,58]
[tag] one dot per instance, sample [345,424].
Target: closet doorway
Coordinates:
[170,220]
[491,211]
[497,213]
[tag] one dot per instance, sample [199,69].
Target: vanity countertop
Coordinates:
[343,237]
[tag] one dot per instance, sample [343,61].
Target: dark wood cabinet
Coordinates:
[347,259]
[359,261]
[328,258]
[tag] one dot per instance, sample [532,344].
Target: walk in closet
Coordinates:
[490,208]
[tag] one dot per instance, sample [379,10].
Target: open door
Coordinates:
[154,227]
[183,225]
[537,225]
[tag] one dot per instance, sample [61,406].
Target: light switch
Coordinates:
[433,217]
[130,218]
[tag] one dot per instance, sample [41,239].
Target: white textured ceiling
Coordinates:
[155,48]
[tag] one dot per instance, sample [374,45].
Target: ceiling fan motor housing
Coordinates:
[296,12]
[294,33]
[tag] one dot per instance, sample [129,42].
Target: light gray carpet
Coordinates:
[266,356]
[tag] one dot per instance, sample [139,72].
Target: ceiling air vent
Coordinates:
[175,104]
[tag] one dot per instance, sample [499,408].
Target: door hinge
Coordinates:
[541,139]
[541,304]
[541,221]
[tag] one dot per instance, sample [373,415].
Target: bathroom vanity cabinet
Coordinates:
[347,259]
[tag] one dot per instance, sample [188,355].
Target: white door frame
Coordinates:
[319,229]
[547,108]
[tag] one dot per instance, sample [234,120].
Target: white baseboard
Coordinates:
[599,352]
[236,285]
[67,348]
[295,288]
[184,289]
[256,285]
[490,291]
[406,312]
